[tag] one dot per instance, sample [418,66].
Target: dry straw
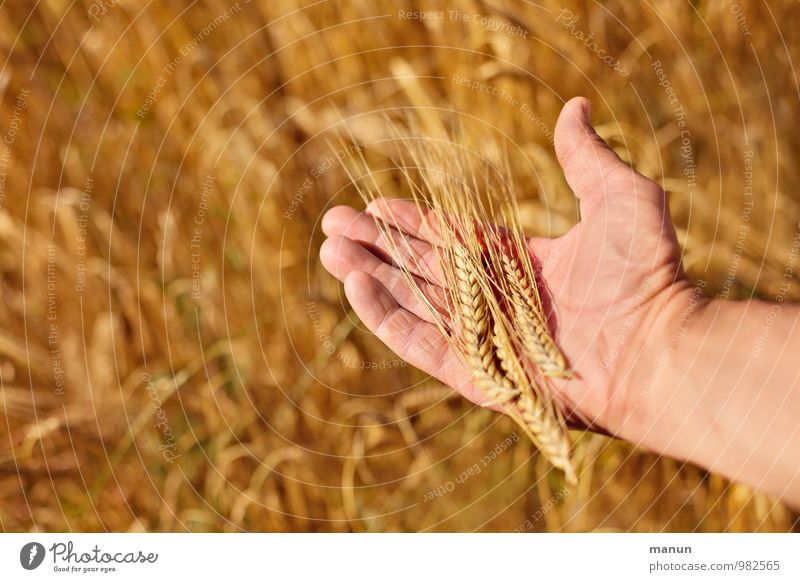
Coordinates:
[494,315]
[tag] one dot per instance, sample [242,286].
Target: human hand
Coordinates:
[614,282]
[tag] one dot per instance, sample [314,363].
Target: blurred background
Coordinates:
[172,355]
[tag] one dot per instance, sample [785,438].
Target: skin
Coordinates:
[657,362]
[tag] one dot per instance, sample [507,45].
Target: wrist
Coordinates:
[654,406]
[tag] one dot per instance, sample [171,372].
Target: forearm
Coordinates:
[728,393]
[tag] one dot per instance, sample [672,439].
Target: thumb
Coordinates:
[590,166]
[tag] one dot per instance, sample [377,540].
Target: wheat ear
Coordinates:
[530,412]
[474,322]
[538,342]
[546,432]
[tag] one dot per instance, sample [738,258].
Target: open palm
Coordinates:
[614,282]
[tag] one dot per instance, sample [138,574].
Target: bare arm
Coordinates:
[722,389]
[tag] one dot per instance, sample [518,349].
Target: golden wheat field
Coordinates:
[173,357]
